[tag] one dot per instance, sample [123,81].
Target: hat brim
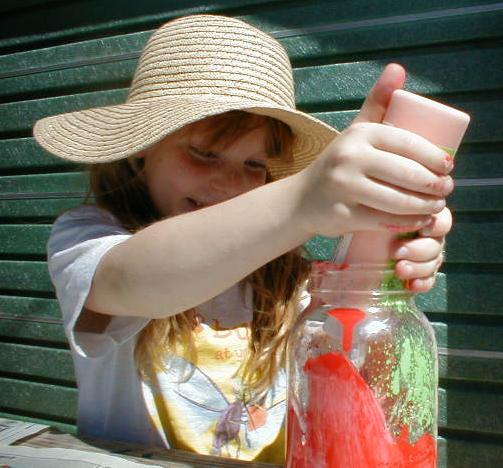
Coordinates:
[110,133]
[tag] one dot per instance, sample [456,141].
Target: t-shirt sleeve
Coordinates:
[78,241]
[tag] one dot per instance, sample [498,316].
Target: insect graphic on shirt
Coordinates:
[230,424]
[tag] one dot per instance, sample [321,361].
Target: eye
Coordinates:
[202,154]
[257,165]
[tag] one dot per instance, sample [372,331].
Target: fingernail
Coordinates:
[439,205]
[448,161]
[407,270]
[401,252]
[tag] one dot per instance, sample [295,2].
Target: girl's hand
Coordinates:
[420,259]
[373,177]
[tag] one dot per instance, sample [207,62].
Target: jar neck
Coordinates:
[351,285]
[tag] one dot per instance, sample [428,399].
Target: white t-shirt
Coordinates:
[114,403]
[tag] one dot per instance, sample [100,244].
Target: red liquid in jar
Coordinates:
[346,427]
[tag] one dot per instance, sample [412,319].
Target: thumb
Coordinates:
[376,103]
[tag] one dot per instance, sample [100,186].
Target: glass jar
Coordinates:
[363,374]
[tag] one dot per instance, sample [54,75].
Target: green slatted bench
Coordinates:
[76,58]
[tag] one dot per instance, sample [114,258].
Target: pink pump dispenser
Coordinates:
[438,123]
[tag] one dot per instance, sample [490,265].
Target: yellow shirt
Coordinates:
[200,407]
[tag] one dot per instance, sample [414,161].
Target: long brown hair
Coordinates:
[119,188]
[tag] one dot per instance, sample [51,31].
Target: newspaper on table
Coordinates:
[11,431]
[17,456]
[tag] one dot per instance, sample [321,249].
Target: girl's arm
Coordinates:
[180,262]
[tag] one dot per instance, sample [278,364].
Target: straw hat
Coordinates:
[191,68]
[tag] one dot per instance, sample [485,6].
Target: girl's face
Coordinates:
[183,174]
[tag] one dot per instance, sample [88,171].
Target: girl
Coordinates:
[179,286]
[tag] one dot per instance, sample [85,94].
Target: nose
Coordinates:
[230,181]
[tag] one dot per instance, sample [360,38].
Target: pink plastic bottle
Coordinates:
[438,123]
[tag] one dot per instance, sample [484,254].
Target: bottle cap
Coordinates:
[442,125]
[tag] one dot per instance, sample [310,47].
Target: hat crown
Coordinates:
[213,57]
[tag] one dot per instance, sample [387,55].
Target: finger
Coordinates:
[408,270]
[410,145]
[418,250]
[390,199]
[408,174]
[421,285]
[376,102]
[364,218]
[440,226]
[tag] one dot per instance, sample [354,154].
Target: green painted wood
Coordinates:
[455,293]
[311,86]
[465,367]
[458,409]
[56,364]
[472,333]
[25,361]
[40,400]
[458,74]
[304,45]
[43,333]
[22,239]
[457,452]
[471,410]
[45,210]
[61,183]
[465,293]
[27,32]
[29,307]
[22,154]
[469,242]
[68,428]
[22,276]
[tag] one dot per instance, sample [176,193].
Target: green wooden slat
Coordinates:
[458,74]
[21,153]
[470,293]
[25,30]
[398,35]
[455,452]
[458,409]
[452,333]
[455,293]
[472,199]
[35,361]
[25,276]
[464,367]
[311,89]
[29,307]
[68,428]
[463,200]
[24,239]
[40,332]
[61,183]
[49,363]
[303,46]
[461,71]
[473,410]
[17,210]
[42,400]
[467,243]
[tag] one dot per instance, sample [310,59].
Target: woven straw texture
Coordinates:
[191,68]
